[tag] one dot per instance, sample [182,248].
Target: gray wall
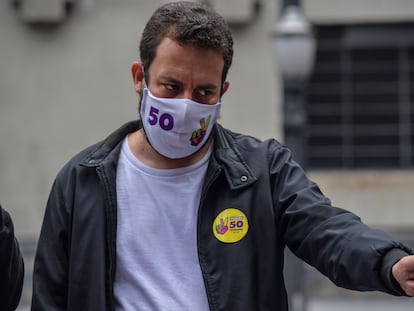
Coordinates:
[359,11]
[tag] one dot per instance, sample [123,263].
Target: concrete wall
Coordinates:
[359,11]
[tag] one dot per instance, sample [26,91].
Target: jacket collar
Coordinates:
[228,156]
[111,145]
[226,153]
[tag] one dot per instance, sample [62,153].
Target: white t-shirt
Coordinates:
[157,260]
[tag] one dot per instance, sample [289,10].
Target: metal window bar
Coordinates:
[347,109]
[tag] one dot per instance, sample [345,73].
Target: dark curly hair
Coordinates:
[187,23]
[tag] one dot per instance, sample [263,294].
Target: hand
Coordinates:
[403,272]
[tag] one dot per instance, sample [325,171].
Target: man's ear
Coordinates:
[225,87]
[138,77]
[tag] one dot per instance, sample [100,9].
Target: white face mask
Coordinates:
[177,127]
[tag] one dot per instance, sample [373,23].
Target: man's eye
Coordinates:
[171,87]
[204,92]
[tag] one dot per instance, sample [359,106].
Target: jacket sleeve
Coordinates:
[333,240]
[50,265]
[11,264]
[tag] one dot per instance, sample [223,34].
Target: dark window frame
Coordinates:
[360,98]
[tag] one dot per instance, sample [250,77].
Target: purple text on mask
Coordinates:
[166,121]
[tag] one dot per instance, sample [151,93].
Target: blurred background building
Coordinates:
[65,83]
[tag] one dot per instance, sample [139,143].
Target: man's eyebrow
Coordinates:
[170,79]
[207,86]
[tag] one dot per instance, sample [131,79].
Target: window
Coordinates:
[360,99]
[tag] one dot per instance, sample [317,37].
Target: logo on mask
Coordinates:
[198,135]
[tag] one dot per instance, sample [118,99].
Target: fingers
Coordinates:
[403,272]
[408,288]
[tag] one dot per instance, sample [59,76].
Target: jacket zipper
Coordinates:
[109,235]
[212,304]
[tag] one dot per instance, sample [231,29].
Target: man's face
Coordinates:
[183,71]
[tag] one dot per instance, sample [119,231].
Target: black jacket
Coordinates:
[11,265]
[75,261]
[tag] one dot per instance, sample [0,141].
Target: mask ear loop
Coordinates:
[142,96]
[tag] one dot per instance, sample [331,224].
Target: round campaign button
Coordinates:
[230,226]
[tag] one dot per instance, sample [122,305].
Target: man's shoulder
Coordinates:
[78,160]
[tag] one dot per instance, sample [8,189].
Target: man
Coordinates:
[174,212]
[11,265]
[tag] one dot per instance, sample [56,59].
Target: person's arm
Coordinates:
[334,241]
[11,264]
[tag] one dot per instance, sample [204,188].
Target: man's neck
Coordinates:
[143,151]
